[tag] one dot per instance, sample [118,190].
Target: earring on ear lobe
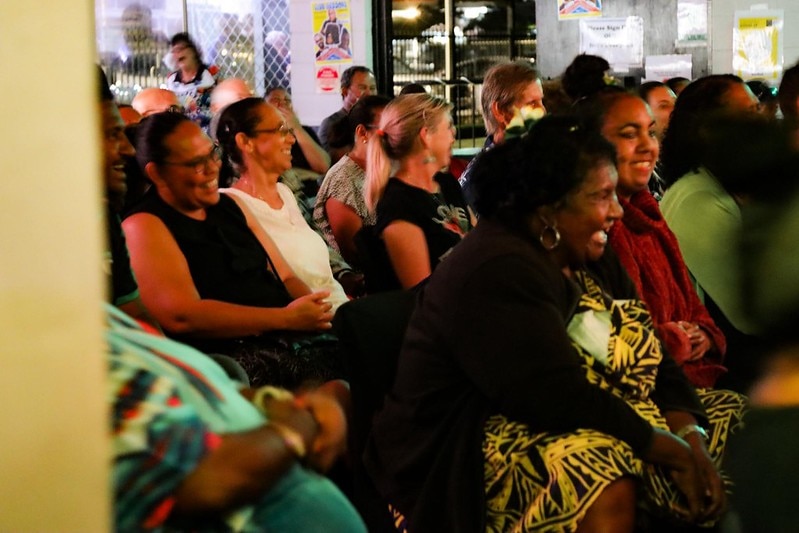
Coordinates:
[549,236]
[429,159]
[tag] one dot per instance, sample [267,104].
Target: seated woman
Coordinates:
[660,99]
[340,210]
[224,459]
[702,204]
[646,246]
[420,212]
[207,271]
[257,142]
[542,403]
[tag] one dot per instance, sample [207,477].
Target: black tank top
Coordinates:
[226,260]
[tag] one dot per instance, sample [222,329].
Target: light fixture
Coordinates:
[409,13]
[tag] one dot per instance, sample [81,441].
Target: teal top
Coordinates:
[170,406]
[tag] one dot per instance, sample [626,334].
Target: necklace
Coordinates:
[250,188]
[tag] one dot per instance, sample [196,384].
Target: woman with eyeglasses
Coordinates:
[340,209]
[209,273]
[257,142]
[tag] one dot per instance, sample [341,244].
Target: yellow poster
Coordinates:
[757,44]
[332,40]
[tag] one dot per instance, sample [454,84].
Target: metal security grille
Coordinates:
[246,39]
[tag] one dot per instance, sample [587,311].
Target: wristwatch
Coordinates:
[692,428]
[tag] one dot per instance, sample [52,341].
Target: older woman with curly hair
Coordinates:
[528,397]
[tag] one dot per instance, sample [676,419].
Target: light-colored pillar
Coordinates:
[54,451]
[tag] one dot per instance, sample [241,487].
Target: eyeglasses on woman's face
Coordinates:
[282,130]
[199,164]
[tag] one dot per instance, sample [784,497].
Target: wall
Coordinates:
[53,425]
[558,41]
[311,107]
[723,18]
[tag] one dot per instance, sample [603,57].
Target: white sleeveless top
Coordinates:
[303,249]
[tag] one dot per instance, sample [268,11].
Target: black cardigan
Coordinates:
[488,336]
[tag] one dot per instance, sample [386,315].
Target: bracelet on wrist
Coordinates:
[270,393]
[692,428]
[291,438]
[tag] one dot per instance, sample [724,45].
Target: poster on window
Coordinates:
[332,42]
[619,40]
[757,44]
[575,9]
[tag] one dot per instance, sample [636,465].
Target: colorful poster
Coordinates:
[575,9]
[619,40]
[757,44]
[332,42]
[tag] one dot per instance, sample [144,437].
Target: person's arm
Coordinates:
[293,283]
[318,159]
[323,131]
[344,223]
[713,497]
[511,340]
[169,293]
[408,252]
[245,465]
[135,309]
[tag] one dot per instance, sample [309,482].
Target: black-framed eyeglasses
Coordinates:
[199,164]
[283,130]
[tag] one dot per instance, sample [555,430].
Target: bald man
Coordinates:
[227,92]
[154,100]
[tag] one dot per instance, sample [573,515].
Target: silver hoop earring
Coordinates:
[542,237]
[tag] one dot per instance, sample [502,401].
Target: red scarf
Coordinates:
[649,251]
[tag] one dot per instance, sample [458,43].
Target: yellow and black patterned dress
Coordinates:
[547,481]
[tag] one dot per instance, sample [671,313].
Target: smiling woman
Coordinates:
[525,392]
[257,142]
[208,272]
[645,244]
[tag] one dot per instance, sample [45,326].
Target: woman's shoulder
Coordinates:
[493,243]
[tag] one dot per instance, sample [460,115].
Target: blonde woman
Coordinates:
[420,212]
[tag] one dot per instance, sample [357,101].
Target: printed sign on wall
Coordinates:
[619,40]
[332,42]
[757,44]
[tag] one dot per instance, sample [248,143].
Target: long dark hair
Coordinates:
[238,117]
[683,144]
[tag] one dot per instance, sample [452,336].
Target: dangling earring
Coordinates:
[429,159]
[554,233]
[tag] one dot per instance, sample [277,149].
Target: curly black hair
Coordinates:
[513,179]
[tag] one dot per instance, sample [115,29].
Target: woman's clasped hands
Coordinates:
[311,312]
